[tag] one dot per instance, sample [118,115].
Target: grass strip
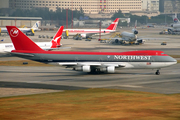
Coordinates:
[92,104]
[20,63]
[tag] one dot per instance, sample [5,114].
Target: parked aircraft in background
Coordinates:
[85,33]
[25,30]
[175,19]
[88,61]
[127,37]
[5,48]
[175,27]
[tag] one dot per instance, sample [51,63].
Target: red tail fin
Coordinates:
[113,25]
[57,38]
[21,41]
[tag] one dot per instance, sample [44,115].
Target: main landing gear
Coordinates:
[157,72]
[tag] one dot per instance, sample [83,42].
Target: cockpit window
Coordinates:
[162,53]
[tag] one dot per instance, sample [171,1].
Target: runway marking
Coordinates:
[131,86]
[152,82]
[33,81]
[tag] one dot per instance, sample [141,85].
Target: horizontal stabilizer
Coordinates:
[23,54]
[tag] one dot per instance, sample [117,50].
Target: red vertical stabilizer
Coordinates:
[113,25]
[21,41]
[57,38]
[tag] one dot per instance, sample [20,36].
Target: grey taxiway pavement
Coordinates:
[60,78]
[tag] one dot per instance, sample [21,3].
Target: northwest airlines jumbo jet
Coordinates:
[89,61]
[5,48]
[85,33]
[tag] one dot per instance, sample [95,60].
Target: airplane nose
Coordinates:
[174,61]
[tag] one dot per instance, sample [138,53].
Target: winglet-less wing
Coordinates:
[96,65]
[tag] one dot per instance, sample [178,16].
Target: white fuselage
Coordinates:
[8,47]
[128,36]
[85,31]
[176,25]
[24,30]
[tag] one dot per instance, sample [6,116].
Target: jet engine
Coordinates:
[175,25]
[85,68]
[169,30]
[140,41]
[135,31]
[83,35]
[110,69]
[116,41]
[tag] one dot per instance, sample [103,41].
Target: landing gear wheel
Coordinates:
[157,72]
[93,71]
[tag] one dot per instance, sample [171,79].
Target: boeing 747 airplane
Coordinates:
[89,61]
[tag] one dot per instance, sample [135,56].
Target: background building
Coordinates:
[88,6]
[19,21]
[4,3]
[169,6]
[4,6]
[150,5]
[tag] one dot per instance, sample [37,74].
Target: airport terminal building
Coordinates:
[88,6]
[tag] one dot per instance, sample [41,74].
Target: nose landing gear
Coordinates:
[157,72]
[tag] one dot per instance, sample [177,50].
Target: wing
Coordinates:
[125,39]
[93,66]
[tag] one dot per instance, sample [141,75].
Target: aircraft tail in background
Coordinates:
[175,19]
[21,41]
[36,25]
[113,25]
[57,38]
[135,24]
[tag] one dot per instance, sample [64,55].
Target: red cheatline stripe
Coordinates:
[137,53]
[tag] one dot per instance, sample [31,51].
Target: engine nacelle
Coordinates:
[78,68]
[175,25]
[83,68]
[110,69]
[169,30]
[83,35]
[141,41]
[135,31]
[86,68]
[116,41]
